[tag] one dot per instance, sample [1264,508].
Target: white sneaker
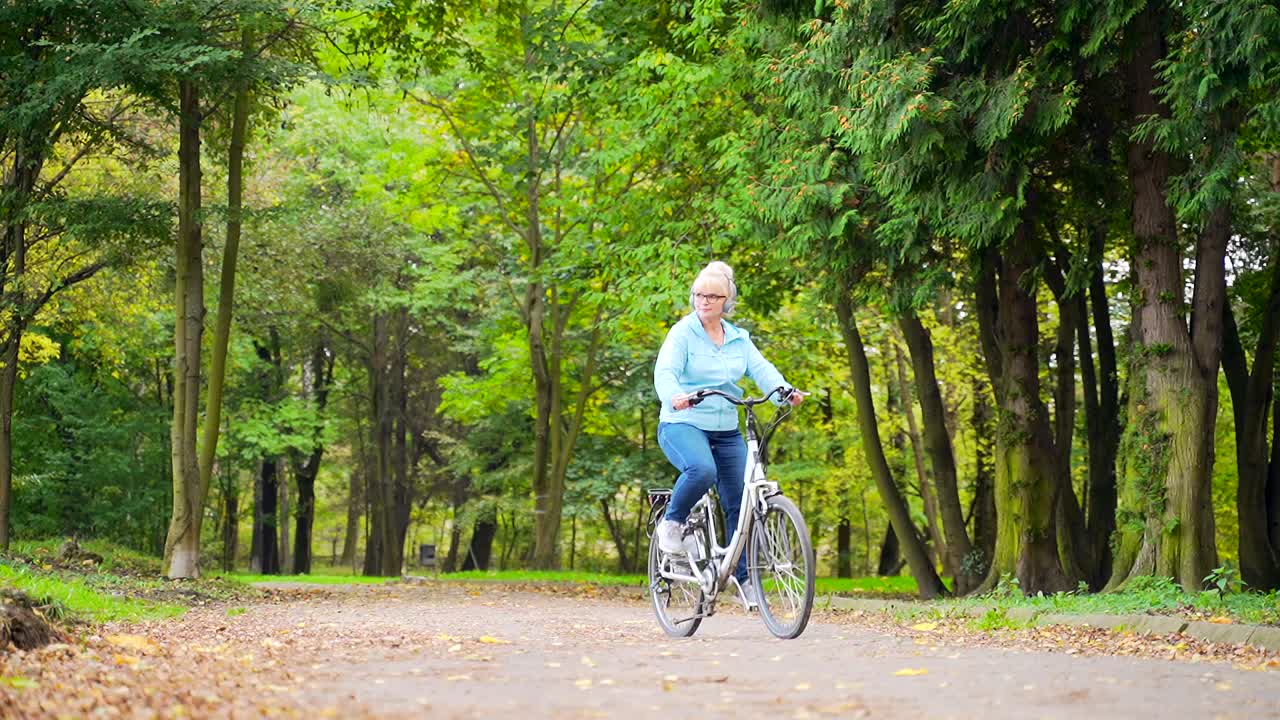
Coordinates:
[750,598]
[672,540]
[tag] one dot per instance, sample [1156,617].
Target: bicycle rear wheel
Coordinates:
[676,603]
[781,564]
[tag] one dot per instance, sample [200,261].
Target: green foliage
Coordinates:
[876,149]
[997,619]
[1225,580]
[1141,595]
[100,452]
[74,599]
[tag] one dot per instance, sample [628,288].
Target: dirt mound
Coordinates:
[72,555]
[21,624]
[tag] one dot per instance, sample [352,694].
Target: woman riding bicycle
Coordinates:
[703,442]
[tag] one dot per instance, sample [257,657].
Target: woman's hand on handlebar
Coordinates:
[682,401]
[795,397]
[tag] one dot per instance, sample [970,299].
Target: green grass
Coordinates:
[1140,596]
[115,559]
[74,599]
[867,586]
[531,576]
[313,579]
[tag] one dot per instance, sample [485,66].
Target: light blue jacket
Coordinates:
[689,361]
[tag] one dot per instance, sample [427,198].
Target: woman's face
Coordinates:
[709,298]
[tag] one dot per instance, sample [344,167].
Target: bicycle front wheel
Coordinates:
[781,564]
[676,603]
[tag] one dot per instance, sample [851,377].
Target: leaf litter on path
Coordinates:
[266,662]
[1068,639]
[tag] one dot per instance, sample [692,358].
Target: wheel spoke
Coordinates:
[678,604]
[781,560]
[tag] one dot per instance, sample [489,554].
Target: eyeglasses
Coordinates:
[703,297]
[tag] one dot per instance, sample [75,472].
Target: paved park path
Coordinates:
[471,651]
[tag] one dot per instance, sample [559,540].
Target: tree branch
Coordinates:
[471,159]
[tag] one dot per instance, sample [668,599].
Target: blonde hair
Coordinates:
[721,275]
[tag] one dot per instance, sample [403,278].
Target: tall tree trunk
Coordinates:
[227,281]
[230,524]
[1272,493]
[480,550]
[844,548]
[1170,431]
[615,532]
[926,576]
[384,555]
[264,550]
[1104,426]
[890,561]
[983,508]
[1101,417]
[351,538]
[937,441]
[563,431]
[182,544]
[1273,479]
[18,187]
[548,500]
[928,500]
[402,498]
[1252,397]
[265,545]
[1025,486]
[455,535]
[1073,542]
[8,382]
[282,514]
[547,503]
[373,522]
[318,380]
[304,514]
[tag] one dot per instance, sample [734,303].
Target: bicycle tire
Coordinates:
[677,604]
[780,562]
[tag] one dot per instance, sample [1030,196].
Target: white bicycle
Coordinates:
[771,530]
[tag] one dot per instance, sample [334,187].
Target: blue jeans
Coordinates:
[704,457]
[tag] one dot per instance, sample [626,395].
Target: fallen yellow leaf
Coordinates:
[490,640]
[133,642]
[583,683]
[912,671]
[1221,620]
[126,660]
[925,626]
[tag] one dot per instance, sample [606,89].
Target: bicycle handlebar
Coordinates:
[783,393]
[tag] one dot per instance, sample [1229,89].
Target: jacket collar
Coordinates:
[731,331]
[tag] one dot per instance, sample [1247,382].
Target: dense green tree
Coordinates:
[63,66]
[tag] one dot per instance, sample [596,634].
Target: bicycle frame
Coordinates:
[756,490]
